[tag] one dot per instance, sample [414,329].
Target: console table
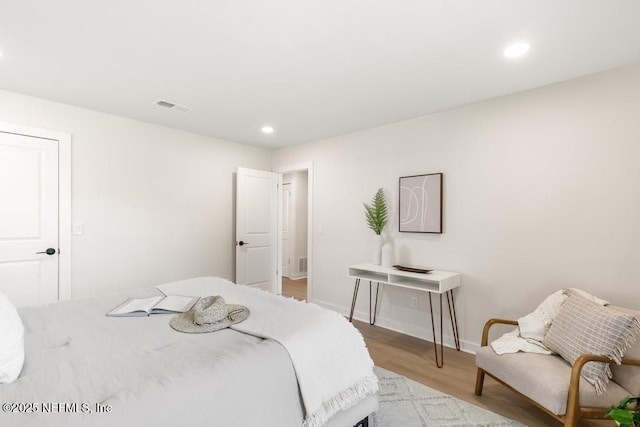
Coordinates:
[436,282]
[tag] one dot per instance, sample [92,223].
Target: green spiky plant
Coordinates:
[624,415]
[376,212]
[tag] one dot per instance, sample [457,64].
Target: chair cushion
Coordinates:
[544,379]
[625,375]
[584,327]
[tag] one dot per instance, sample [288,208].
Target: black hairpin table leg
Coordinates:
[454,320]
[373,308]
[353,301]
[439,360]
[454,327]
[372,321]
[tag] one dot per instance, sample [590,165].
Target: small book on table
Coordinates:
[153,305]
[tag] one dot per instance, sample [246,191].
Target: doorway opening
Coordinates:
[296,226]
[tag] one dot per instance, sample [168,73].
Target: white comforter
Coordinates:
[332,364]
[87,369]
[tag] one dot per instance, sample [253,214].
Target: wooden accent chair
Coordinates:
[552,384]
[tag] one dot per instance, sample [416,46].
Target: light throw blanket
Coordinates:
[331,362]
[532,328]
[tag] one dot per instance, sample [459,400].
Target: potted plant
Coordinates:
[627,413]
[376,215]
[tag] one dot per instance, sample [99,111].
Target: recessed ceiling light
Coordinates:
[516,50]
[1,54]
[267,129]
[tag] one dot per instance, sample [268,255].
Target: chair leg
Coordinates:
[573,414]
[479,382]
[570,420]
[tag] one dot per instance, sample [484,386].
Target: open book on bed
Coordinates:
[153,305]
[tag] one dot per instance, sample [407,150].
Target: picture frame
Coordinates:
[420,208]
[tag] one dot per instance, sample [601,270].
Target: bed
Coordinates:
[286,365]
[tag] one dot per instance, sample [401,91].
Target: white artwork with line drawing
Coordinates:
[421,203]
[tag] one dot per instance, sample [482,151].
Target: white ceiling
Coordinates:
[311,69]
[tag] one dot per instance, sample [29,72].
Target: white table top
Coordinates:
[435,281]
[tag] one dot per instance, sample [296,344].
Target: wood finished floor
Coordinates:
[414,358]
[294,288]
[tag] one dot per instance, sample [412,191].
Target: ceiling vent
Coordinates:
[172,106]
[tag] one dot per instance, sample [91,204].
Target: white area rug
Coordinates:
[406,403]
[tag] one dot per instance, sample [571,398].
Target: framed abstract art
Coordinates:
[421,203]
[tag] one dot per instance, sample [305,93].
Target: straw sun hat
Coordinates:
[209,314]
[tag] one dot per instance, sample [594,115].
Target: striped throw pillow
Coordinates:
[584,327]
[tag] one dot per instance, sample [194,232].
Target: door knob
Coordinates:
[241,243]
[49,251]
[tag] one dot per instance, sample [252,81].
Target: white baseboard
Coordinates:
[297,276]
[422,332]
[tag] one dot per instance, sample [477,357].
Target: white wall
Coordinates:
[156,203]
[541,192]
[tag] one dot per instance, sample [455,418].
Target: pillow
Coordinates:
[584,327]
[11,341]
[628,376]
[587,295]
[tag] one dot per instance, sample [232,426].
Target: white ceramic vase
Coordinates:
[387,255]
[376,247]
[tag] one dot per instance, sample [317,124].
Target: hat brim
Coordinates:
[184,322]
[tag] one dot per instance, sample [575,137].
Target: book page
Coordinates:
[140,304]
[178,303]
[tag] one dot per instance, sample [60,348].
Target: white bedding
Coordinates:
[332,364]
[145,372]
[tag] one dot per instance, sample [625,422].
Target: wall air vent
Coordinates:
[172,106]
[302,265]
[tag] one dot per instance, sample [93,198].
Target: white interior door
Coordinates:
[286,220]
[257,257]
[29,219]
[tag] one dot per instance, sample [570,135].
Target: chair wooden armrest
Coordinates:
[574,411]
[489,324]
[484,343]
